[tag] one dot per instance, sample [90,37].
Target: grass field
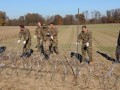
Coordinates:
[60,72]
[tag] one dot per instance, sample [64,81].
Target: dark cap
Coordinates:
[84,27]
[22,26]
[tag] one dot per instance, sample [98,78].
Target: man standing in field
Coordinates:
[38,36]
[25,33]
[54,39]
[86,37]
[118,49]
[46,38]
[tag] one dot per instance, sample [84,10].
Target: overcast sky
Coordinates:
[16,8]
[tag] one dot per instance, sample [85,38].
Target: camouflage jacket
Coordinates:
[38,31]
[54,32]
[45,34]
[85,37]
[25,34]
[118,41]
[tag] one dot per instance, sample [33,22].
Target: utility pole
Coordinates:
[76,63]
[78,30]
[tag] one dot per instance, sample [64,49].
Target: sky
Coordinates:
[16,8]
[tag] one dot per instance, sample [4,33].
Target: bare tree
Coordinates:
[81,18]
[69,20]
[3,18]
[58,20]
[86,13]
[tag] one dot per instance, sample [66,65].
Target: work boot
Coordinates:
[46,56]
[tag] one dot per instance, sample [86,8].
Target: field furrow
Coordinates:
[60,72]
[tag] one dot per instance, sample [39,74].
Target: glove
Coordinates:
[41,41]
[24,42]
[87,44]
[35,36]
[18,41]
[77,43]
[52,37]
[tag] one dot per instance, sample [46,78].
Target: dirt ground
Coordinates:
[61,72]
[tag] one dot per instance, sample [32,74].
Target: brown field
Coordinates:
[60,72]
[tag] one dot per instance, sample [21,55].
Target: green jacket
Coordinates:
[45,34]
[85,37]
[25,34]
[38,31]
[54,32]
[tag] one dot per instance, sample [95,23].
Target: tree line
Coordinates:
[111,16]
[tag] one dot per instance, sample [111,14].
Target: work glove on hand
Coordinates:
[52,37]
[87,44]
[24,42]
[18,41]
[41,41]
[78,43]
[35,36]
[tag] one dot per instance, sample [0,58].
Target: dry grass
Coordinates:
[60,72]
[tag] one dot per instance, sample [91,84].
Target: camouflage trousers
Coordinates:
[118,53]
[39,45]
[46,47]
[27,46]
[54,46]
[87,50]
